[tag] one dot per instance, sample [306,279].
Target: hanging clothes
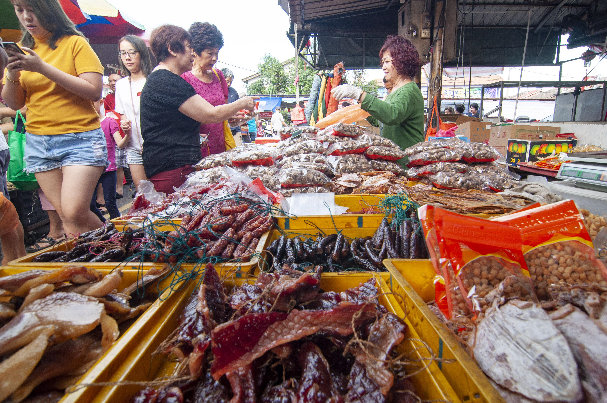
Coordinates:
[313,99]
[332,103]
[319,114]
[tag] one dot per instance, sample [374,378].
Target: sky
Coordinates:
[250,28]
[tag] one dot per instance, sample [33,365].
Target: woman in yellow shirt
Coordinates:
[58,78]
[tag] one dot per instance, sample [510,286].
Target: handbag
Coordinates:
[227,133]
[16,167]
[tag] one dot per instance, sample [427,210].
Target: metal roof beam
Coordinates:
[549,15]
[526,5]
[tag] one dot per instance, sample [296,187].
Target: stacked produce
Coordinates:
[337,253]
[57,323]
[340,158]
[525,291]
[283,339]
[223,228]
[455,164]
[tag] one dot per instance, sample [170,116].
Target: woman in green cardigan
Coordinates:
[402,113]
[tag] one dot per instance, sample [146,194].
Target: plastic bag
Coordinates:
[450,180]
[309,189]
[479,152]
[267,175]
[322,167]
[496,182]
[347,147]
[380,165]
[431,169]
[557,246]
[301,177]
[345,130]
[426,146]
[384,153]
[315,158]
[349,114]
[435,155]
[482,256]
[254,156]
[350,163]
[303,147]
[376,140]
[215,160]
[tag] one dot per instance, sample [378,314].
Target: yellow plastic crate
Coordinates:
[418,272]
[131,358]
[464,375]
[129,276]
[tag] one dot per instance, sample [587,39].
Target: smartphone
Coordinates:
[13,47]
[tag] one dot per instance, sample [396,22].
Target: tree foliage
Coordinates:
[273,78]
[279,78]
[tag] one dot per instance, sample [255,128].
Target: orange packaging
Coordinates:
[426,217]
[485,261]
[557,247]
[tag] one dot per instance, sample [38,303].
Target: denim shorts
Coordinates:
[133,157]
[121,158]
[47,152]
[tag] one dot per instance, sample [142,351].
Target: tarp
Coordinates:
[267,104]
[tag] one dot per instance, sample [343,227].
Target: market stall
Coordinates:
[321,266]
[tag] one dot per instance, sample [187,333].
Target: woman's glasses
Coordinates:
[131,53]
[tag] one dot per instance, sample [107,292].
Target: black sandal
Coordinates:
[43,243]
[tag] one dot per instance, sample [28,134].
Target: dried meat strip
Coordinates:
[238,343]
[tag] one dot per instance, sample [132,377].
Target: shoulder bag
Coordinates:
[227,133]
[16,167]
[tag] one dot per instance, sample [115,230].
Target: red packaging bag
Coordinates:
[486,259]
[557,247]
[426,217]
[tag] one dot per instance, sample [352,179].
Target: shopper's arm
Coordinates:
[197,108]
[86,85]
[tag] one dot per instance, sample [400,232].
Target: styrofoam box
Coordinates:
[592,200]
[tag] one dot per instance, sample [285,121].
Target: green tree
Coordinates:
[279,78]
[273,80]
[357,78]
[306,76]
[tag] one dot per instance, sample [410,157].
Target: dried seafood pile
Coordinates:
[528,297]
[221,230]
[314,161]
[455,164]
[57,323]
[466,201]
[337,253]
[283,339]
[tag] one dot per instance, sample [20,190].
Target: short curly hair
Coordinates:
[205,36]
[404,55]
[168,37]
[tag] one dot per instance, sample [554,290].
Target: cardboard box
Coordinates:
[478,132]
[501,134]
[533,150]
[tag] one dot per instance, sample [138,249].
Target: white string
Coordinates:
[518,90]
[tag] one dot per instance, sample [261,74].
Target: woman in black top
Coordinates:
[171,111]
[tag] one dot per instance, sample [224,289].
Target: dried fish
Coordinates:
[587,342]
[519,347]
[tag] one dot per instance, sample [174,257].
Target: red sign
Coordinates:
[265,115]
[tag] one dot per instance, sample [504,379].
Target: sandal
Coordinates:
[43,243]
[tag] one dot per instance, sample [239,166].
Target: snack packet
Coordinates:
[485,260]
[557,246]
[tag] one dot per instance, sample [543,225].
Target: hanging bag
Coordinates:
[16,167]
[227,133]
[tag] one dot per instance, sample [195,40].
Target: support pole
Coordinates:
[435,83]
[296,60]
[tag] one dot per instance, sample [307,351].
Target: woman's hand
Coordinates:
[27,62]
[125,125]
[346,91]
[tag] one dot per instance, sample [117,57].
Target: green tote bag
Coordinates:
[16,167]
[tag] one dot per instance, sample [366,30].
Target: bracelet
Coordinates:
[18,82]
